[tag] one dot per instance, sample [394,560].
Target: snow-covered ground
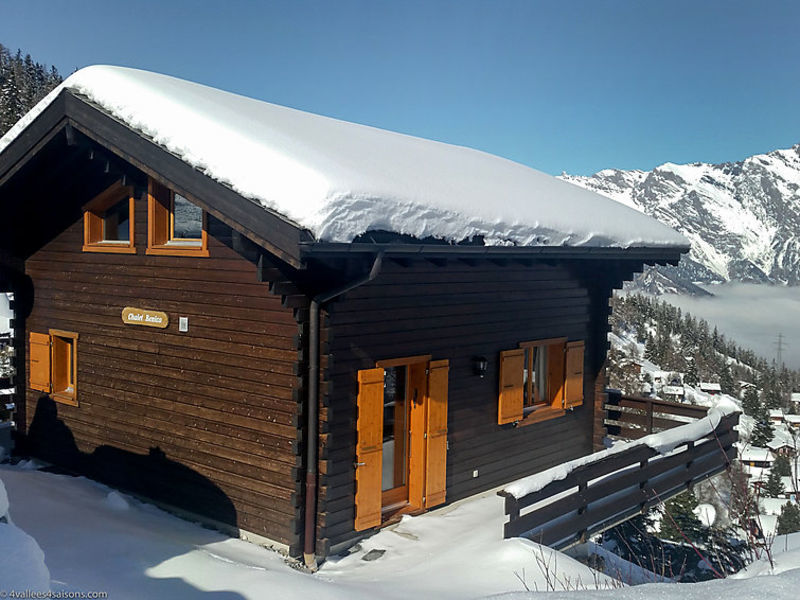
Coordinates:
[95,539]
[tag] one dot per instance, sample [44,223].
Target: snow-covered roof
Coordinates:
[775,444]
[772,506]
[339,179]
[707,386]
[754,453]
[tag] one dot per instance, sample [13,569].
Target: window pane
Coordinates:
[540,368]
[187,219]
[116,223]
[394,428]
[63,364]
[526,400]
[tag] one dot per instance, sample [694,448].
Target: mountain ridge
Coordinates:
[742,218]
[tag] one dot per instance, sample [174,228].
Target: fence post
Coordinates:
[690,481]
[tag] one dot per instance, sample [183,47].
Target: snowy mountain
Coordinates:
[742,218]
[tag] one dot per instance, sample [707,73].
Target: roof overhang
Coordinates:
[644,254]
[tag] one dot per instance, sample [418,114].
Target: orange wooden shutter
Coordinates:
[573,393]
[157,214]
[39,362]
[555,374]
[436,455]
[512,373]
[369,449]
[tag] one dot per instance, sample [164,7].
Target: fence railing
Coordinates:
[599,494]
[631,417]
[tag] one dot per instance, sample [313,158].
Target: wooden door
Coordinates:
[425,438]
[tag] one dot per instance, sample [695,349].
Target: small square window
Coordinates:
[540,380]
[108,221]
[64,366]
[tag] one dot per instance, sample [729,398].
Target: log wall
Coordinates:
[457,311]
[206,420]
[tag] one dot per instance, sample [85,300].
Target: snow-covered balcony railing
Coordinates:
[565,504]
[632,417]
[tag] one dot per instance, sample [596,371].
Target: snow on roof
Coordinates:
[754,453]
[340,179]
[710,387]
[705,385]
[772,506]
[775,444]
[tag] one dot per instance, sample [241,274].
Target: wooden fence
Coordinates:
[630,417]
[603,493]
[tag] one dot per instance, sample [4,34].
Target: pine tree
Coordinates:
[762,432]
[774,488]
[650,347]
[750,403]
[789,519]
[23,82]
[770,385]
[691,378]
[679,519]
[726,380]
[781,466]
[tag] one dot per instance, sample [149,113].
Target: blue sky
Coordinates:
[573,86]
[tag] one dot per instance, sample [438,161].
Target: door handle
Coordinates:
[358,464]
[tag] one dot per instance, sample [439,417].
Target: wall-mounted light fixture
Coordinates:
[479,365]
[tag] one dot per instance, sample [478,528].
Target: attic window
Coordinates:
[108,221]
[176,226]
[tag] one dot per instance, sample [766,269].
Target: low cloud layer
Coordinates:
[753,315]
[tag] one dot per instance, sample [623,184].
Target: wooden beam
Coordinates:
[439,262]
[70,133]
[43,129]
[403,262]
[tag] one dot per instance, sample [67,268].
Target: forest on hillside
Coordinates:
[23,82]
[684,344]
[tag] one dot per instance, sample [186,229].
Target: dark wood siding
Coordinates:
[456,312]
[205,420]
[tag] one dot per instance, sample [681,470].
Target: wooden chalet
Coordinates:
[180,341]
